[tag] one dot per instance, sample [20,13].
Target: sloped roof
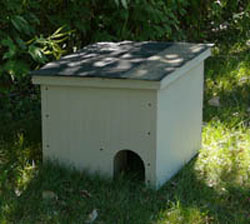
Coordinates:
[124,60]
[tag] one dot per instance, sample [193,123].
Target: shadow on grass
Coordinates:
[184,199]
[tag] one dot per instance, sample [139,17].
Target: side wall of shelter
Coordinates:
[179,120]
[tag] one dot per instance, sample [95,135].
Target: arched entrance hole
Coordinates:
[129,164]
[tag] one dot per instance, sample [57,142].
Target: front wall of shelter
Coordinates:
[86,127]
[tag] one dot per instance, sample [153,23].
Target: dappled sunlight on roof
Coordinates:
[124,60]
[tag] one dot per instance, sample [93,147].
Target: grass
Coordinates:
[213,188]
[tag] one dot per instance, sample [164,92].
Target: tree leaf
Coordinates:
[124,4]
[8,42]
[37,54]
[21,43]
[117,3]
[21,25]
[16,68]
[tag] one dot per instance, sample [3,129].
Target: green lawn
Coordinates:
[213,188]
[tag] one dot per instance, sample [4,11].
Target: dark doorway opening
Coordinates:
[129,164]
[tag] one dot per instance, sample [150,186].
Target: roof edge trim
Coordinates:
[95,82]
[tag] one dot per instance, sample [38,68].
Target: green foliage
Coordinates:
[23,48]
[214,188]
[214,20]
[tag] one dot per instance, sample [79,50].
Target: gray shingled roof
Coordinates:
[124,60]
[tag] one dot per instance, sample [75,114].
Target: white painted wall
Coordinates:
[179,119]
[84,120]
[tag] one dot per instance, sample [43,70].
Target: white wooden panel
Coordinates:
[95,82]
[45,125]
[179,119]
[86,127]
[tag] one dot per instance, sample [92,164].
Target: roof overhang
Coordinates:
[98,82]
